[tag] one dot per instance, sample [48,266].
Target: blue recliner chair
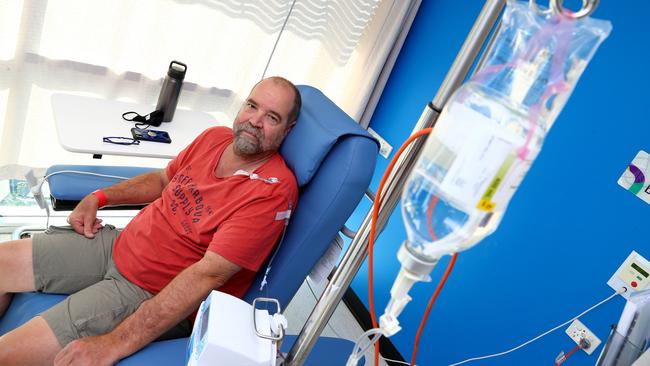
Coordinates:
[333,159]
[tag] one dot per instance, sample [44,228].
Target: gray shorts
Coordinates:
[68,263]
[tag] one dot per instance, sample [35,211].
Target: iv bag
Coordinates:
[493,128]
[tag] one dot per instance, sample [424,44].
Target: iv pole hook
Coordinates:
[588,7]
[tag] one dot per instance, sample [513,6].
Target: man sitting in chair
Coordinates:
[216,213]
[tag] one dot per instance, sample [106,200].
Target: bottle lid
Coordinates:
[177,70]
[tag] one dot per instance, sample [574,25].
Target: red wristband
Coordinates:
[101,196]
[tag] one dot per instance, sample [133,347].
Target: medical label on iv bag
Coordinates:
[636,178]
[487,203]
[485,150]
[516,171]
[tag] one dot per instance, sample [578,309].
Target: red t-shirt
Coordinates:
[236,217]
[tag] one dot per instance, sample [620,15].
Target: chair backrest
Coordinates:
[333,159]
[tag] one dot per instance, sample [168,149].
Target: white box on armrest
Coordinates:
[223,334]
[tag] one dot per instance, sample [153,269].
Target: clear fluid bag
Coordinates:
[493,128]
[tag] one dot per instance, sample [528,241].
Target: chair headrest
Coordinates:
[320,124]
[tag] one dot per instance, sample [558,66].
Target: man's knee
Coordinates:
[34,343]
[16,266]
[8,355]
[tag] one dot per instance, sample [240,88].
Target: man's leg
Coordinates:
[59,261]
[32,344]
[95,310]
[17,275]
[16,270]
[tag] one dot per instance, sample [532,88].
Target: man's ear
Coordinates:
[289,127]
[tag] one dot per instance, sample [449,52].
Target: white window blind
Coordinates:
[120,50]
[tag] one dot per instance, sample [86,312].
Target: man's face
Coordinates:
[262,122]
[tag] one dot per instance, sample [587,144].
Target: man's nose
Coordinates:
[256,119]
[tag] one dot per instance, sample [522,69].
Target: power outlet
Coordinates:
[577,331]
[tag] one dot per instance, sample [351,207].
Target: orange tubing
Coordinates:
[450,266]
[371,244]
[375,215]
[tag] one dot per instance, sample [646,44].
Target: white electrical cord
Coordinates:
[622,290]
[84,173]
[37,191]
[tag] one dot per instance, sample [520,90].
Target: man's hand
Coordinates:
[84,217]
[87,351]
[144,188]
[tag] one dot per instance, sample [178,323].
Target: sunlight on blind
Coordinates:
[338,24]
[38,133]
[209,42]
[4,96]
[10,13]
[120,50]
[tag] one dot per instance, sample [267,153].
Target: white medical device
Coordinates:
[633,274]
[230,331]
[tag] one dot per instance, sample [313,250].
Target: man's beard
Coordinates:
[244,145]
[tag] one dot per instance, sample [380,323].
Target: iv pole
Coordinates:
[357,251]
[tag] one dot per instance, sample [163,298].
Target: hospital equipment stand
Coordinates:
[357,251]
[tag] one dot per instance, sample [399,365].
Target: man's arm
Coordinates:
[144,188]
[155,316]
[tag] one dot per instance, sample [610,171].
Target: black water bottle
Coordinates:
[171,89]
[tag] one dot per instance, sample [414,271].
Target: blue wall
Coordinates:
[567,229]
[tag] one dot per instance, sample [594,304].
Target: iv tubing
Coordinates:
[371,244]
[375,214]
[450,266]
[373,228]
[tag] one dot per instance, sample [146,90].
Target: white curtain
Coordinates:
[120,50]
